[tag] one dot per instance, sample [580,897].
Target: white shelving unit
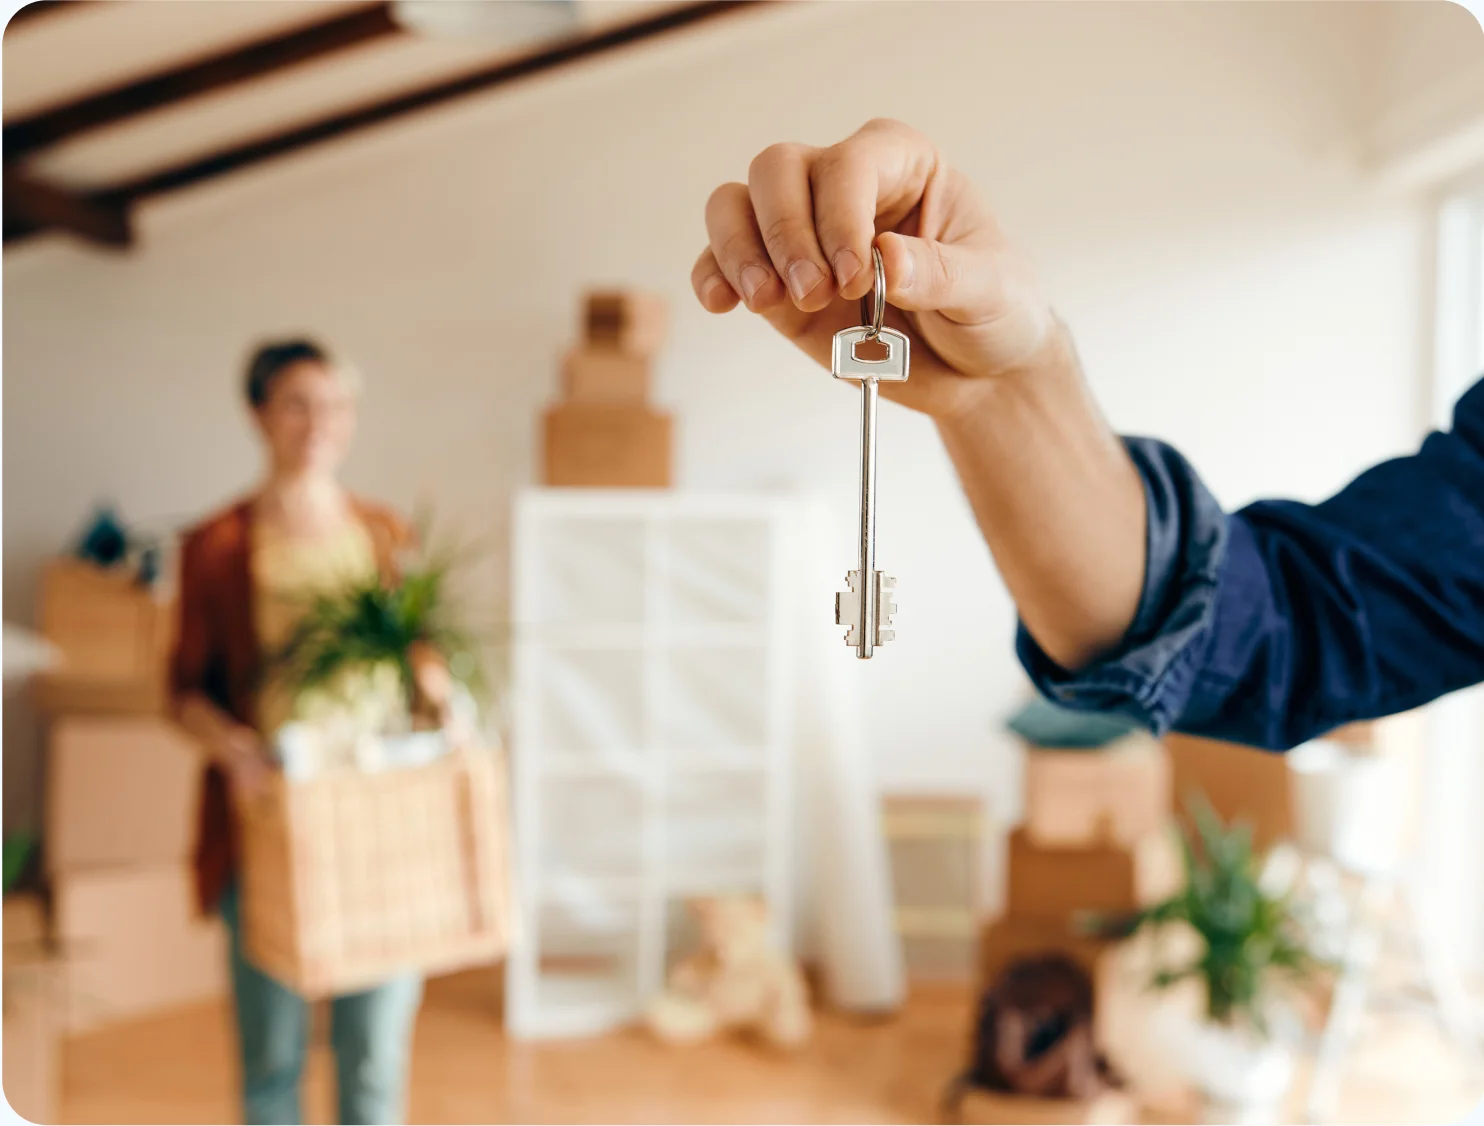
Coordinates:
[651,750]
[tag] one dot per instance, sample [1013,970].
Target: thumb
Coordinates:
[959,280]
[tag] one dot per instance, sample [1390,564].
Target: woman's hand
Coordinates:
[435,684]
[794,243]
[242,754]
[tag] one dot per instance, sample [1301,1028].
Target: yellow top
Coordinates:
[287,572]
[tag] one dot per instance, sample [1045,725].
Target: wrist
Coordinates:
[236,744]
[1047,377]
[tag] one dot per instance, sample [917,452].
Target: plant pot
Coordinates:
[1241,1075]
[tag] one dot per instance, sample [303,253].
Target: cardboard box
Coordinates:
[119,792]
[23,927]
[605,375]
[352,877]
[626,321]
[31,1033]
[1112,1108]
[606,446]
[31,1036]
[1059,883]
[134,944]
[1008,939]
[1241,783]
[1114,796]
[114,636]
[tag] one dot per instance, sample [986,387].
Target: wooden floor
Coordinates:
[178,1068]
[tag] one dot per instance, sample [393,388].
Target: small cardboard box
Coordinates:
[605,375]
[114,636]
[606,446]
[134,944]
[119,792]
[625,320]
[1058,883]
[1008,939]
[991,1108]
[1114,796]
[1241,783]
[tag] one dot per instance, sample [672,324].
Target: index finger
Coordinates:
[868,182]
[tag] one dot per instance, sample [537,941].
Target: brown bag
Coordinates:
[1035,1034]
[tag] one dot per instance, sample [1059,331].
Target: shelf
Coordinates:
[651,755]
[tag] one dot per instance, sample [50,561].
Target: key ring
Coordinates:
[873,307]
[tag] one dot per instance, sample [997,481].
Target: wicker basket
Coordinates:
[351,878]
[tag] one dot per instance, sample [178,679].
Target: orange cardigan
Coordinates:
[217,655]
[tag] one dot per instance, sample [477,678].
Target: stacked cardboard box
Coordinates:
[121,803]
[1096,839]
[122,786]
[603,432]
[114,638]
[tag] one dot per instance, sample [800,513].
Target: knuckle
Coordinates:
[782,234]
[775,157]
[835,162]
[885,125]
[723,199]
[735,247]
[945,268]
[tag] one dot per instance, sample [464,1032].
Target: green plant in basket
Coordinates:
[1251,937]
[370,623]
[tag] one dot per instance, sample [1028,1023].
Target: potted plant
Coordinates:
[1250,944]
[385,632]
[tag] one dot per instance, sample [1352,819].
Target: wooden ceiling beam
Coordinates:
[195,79]
[32,205]
[103,214]
[338,125]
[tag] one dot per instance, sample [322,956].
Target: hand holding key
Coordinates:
[795,244]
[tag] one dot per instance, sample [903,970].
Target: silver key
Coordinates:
[867,607]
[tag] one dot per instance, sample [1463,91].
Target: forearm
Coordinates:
[1059,502]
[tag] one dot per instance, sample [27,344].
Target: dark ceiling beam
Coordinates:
[194,79]
[338,125]
[31,205]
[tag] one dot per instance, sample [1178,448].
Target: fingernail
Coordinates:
[908,273]
[803,276]
[753,279]
[712,289]
[847,264]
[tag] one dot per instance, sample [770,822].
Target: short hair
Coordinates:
[271,360]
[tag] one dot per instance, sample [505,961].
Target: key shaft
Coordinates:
[868,593]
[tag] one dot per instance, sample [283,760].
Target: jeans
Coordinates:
[371,1033]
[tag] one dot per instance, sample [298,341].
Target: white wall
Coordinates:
[1186,174]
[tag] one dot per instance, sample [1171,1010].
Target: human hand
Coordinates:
[241,752]
[794,243]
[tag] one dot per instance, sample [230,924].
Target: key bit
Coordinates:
[886,606]
[848,608]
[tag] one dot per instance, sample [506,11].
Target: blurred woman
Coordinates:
[245,573]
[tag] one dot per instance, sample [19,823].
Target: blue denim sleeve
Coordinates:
[1279,622]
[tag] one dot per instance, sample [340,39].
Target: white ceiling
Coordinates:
[57,58]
